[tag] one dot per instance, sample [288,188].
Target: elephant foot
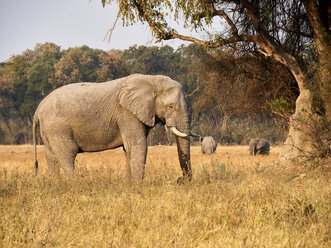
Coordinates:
[183,180]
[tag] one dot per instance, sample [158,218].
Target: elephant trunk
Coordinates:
[183,148]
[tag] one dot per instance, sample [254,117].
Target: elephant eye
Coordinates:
[170,107]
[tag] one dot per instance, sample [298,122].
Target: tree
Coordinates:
[24,80]
[7,80]
[111,66]
[77,64]
[152,60]
[279,29]
[40,76]
[27,78]
[235,98]
[84,64]
[242,86]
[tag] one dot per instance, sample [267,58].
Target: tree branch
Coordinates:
[227,19]
[110,31]
[315,18]
[296,32]
[195,90]
[168,35]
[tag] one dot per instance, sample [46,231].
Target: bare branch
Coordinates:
[264,53]
[296,32]
[228,20]
[195,90]
[110,31]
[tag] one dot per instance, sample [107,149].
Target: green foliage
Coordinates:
[77,64]
[280,105]
[153,60]
[27,78]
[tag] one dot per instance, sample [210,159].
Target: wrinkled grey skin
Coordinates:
[259,146]
[90,117]
[208,145]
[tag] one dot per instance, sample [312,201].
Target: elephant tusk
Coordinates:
[178,133]
[194,134]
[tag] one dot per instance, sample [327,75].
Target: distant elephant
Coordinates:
[208,145]
[89,117]
[259,146]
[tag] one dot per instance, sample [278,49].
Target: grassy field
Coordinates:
[234,200]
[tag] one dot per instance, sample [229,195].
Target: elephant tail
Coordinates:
[35,124]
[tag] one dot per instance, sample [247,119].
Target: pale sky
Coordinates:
[67,23]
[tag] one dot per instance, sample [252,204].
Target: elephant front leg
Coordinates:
[136,159]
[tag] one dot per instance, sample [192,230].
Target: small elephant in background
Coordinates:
[259,146]
[208,145]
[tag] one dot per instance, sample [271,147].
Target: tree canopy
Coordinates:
[289,32]
[212,87]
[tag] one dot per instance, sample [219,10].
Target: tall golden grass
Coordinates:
[234,200]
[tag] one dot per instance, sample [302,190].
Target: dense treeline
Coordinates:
[231,97]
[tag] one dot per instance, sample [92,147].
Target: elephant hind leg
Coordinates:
[52,162]
[65,151]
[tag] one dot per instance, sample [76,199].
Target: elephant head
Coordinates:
[259,146]
[154,99]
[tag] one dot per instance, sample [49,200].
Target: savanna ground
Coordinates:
[234,200]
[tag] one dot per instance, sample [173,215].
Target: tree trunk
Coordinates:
[319,19]
[298,144]
[226,118]
[304,138]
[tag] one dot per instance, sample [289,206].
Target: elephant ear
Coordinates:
[138,96]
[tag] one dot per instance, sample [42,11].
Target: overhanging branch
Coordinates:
[164,33]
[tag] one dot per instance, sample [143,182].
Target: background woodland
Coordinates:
[230,96]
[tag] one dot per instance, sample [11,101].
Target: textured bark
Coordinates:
[298,144]
[303,140]
[322,32]
[325,77]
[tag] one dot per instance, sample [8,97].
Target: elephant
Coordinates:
[208,145]
[259,146]
[90,117]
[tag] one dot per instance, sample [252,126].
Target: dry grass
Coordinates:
[234,200]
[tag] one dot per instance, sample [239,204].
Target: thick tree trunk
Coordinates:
[319,19]
[325,85]
[298,144]
[304,138]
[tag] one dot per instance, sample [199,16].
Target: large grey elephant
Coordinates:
[208,145]
[89,117]
[259,146]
